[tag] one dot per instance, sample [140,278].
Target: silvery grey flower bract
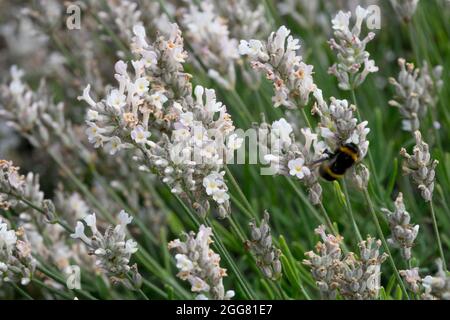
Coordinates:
[200,265]
[412,279]
[209,37]
[405,9]
[16,261]
[266,254]
[338,124]
[278,58]
[111,249]
[351,50]
[420,167]
[360,176]
[326,263]
[437,287]
[184,136]
[353,277]
[416,90]
[288,157]
[360,279]
[403,233]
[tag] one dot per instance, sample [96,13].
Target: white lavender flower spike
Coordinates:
[111,249]
[420,167]
[325,264]
[200,265]
[16,262]
[403,233]
[210,40]
[353,277]
[360,279]
[437,287]
[338,124]
[412,279]
[416,91]
[405,9]
[294,159]
[22,193]
[353,63]
[278,58]
[35,116]
[266,254]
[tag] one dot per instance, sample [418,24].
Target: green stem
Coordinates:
[369,154]
[383,240]
[42,211]
[139,290]
[305,200]
[240,192]
[21,291]
[413,41]
[153,287]
[241,207]
[327,219]
[307,119]
[438,237]
[350,211]
[242,107]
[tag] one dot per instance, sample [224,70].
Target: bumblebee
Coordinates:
[336,164]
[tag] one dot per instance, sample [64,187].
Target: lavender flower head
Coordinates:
[403,233]
[210,39]
[360,279]
[325,263]
[291,158]
[278,58]
[200,265]
[16,261]
[18,192]
[111,249]
[412,279]
[416,90]
[351,50]
[338,124]
[437,287]
[405,9]
[266,254]
[420,167]
[353,277]
[11,182]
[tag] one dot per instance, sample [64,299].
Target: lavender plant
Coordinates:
[167,112]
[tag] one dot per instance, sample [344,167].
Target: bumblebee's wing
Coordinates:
[321,160]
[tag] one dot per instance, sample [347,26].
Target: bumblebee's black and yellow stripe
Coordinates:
[342,159]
